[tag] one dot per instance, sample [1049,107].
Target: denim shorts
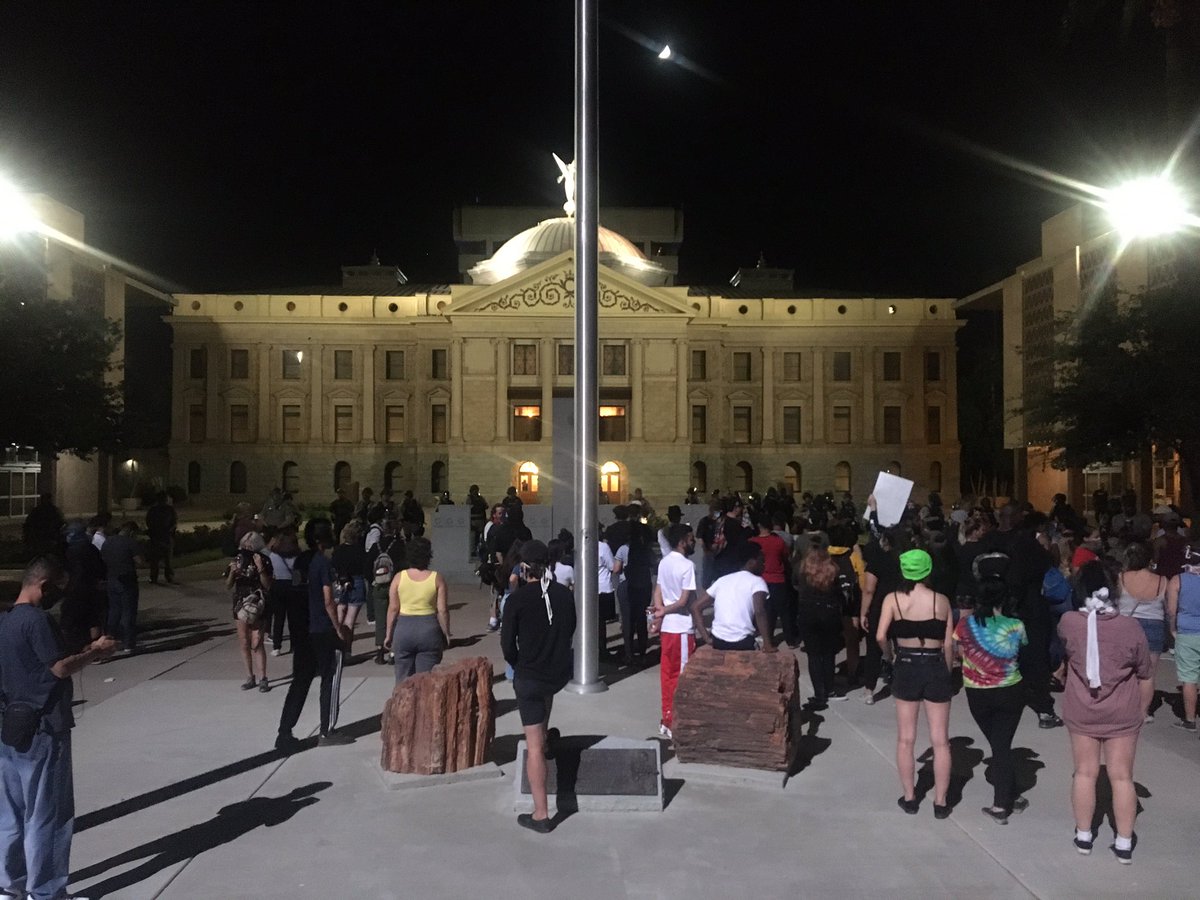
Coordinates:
[358,593]
[921,676]
[1156,633]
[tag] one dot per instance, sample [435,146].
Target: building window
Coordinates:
[792,477]
[613,361]
[343,424]
[841,477]
[524,359]
[791,424]
[610,482]
[933,365]
[741,367]
[438,368]
[437,477]
[566,359]
[527,481]
[791,367]
[292,424]
[935,476]
[840,432]
[342,477]
[239,365]
[290,478]
[239,423]
[343,365]
[393,418]
[390,473]
[198,363]
[197,423]
[291,365]
[891,366]
[699,365]
[744,473]
[612,423]
[741,424]
[841,365]
[700,476]
[699,424]
[891,425]
[437,423]
[237,478]
[193,478]
[933,424]
[393,365]
[527,423]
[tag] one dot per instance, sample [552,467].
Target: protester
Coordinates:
[608,572]
[43,528]
[563,572]
[739,602]
[673,594]
[391,555]
[917,620]
[882,559]
[1109,685]
[478,516]
[350,594]
[85,606]
[1143,597]
[539,623]
[161,522]
[284,553]
[730,533]
[674,517]
[637,585]
[122,555]
[1183,619]
[418,617]
[342,511]
[781,599]
[990,639]
[826,592]
[37,819]
[248,576]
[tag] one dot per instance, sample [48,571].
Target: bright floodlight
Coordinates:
[16,215]
[665,52]
[1147,207]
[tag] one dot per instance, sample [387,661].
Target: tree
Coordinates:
[1125,379]
[55,395]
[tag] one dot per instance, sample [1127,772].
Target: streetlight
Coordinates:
[1147,207]
[16,215]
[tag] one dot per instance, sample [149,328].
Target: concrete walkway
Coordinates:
[179,796]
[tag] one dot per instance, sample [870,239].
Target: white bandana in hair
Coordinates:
[545,583]
[1097,603]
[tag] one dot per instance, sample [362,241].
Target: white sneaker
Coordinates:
[665,732]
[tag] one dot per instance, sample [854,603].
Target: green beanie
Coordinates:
[915,565]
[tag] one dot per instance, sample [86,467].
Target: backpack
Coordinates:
[1057,590]
[385,568]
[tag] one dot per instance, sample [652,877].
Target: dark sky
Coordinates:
[239,145]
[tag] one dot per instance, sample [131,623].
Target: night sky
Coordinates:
[239,145]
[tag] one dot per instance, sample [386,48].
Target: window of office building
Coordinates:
[933,365]
[891,366]
[393,417]
[524,359]
[193,477]
[699,365]
[527,423]
[741,424]
[841,365]
[394,365]
[439,369]
[292,424]
[566,359]
[841,477]
[791,367]
[237,478]
[239,365]
[933,424]
[198,363]
[699,424]
[343,424]
[741,367]
[613,359]
[239,423]
[791,424]
[612,423]
[290,478]
[291,365]
[437,422]
[891,425]
[840,432]
[197,423]
[343,365]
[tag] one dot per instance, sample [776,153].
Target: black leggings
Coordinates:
[820,671]
[633,601]
[312,655]
[997,711]
[781,607]
[873,662]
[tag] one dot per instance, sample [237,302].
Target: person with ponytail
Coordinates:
[990,639]
[536,629]
[1108,688]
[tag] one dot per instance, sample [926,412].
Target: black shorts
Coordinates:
[921,676]
[533,700]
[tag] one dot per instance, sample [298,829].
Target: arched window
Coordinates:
[610,482]
[290,478]
[700,477]
[193,478]
[237,478]
[527,482]
[935,476]
[894,468]
[437,477]
[342,477]
[746,476]
[841,477]
[390,471]
[791,477]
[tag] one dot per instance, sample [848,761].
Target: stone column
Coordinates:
[818,404]
[682,401]
[265,431]
[950,379]
[456,389]
[635,382]
[213,420]
[547,369]
[502,411]
[768,396]
[868,399]
[316,430]
[368,395]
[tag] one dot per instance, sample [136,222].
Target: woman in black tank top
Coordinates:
[917,620]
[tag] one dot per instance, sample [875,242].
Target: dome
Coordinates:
[551,237]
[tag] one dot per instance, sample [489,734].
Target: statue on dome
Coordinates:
[567,180]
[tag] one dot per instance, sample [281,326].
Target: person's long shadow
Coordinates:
[963,760]
[809,745]
[1026,764]
[1104,801]
[229,824]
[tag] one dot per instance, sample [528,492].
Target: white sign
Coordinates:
[891,496]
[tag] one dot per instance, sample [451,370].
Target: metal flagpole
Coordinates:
[587,635]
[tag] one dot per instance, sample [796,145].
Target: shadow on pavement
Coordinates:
[964,758]
[231,823]
[809,745]
[1104,801]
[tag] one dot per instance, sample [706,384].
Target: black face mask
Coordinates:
[51,595]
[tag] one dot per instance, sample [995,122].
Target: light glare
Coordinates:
[1147,207]
[16,215]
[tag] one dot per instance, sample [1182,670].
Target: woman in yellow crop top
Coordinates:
[418,619]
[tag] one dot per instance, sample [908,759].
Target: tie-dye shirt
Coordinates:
[990,650]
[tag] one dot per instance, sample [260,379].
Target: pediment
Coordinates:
[548,289]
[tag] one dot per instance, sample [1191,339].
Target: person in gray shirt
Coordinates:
[122,554]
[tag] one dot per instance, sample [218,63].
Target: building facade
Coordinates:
[435,388]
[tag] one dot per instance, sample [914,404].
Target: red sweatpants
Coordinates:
[676,650]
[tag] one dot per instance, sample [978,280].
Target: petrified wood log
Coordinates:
[440,721]
[738,708]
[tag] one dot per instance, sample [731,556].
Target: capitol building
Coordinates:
[379,383]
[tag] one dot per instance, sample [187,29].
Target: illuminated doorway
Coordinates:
[610,482]
[527,482]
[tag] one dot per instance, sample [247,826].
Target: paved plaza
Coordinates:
[179,795]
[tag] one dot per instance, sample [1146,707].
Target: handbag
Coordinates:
[249,609]
[21,722]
